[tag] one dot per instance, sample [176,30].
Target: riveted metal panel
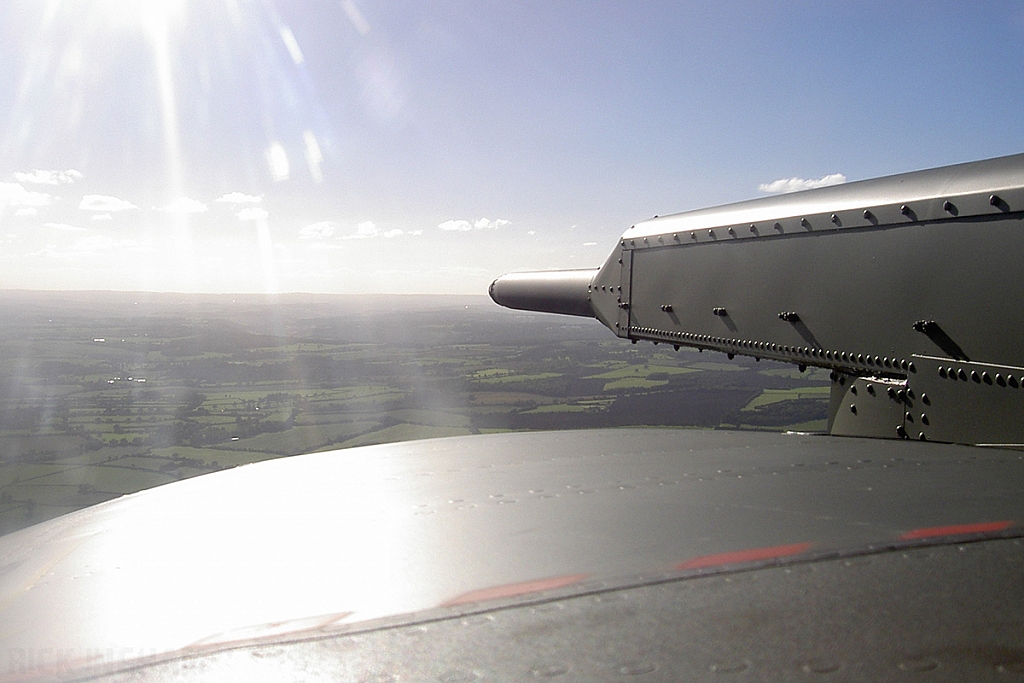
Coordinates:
[867,406]
[848,300]
[625,293]
[965,402]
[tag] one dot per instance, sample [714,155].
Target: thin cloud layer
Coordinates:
[64,226]
[479,224]
[796,184]
[185,205]
[104,204]
[368,229]
[317,231]
[239,198]
[253,213]
[13,194]
[40,177]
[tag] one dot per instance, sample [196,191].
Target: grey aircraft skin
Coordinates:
[890,549]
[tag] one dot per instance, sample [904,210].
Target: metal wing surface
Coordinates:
[632,554]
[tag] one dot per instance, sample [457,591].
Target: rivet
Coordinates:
[962,375]
[924,419]
[868,215]
[905,210]
[912,367]
[871,389]
[891,393]
[819,666]
[999,380]
[1012,381]
[948,207]
[693,235]
[778,226]
[925,400]
[919,665]
[711,234]
[661,240]
[675,236]
[942,373]
[645,241]
[637,669]
[921,436]
[975,377]
[801,367]
[732,232]
[731,355]
[720,312]
[901,432]
[806,223]
[550,671]
[985,378]
[886,362]
[853,408]
[994,200]
[753,228]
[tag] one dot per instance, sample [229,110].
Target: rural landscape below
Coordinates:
[107,393]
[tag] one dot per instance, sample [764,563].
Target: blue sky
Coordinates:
[365,146]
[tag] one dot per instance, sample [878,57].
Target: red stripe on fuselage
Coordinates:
[738,556]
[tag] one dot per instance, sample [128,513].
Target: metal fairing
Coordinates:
[597,555]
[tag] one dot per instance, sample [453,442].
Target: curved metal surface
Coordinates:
[960,180]
[337,539]
[554,291]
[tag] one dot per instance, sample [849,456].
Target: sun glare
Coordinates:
[146,15]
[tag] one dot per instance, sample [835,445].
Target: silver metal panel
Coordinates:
[965,402]
[867,406]
[855,294]
[333,540]
[980,188]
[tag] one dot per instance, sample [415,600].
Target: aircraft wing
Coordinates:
[646,554]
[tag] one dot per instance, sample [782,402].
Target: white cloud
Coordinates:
[478,224]
[64,226]
[26,211]
[317,231]
[531,232]
[590,244]
[101,217]
[796,184]
[369,229]
[105,204]
[40,177]
[185,205]
[240,198]
[456,225]
[253,213]
[13,194]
